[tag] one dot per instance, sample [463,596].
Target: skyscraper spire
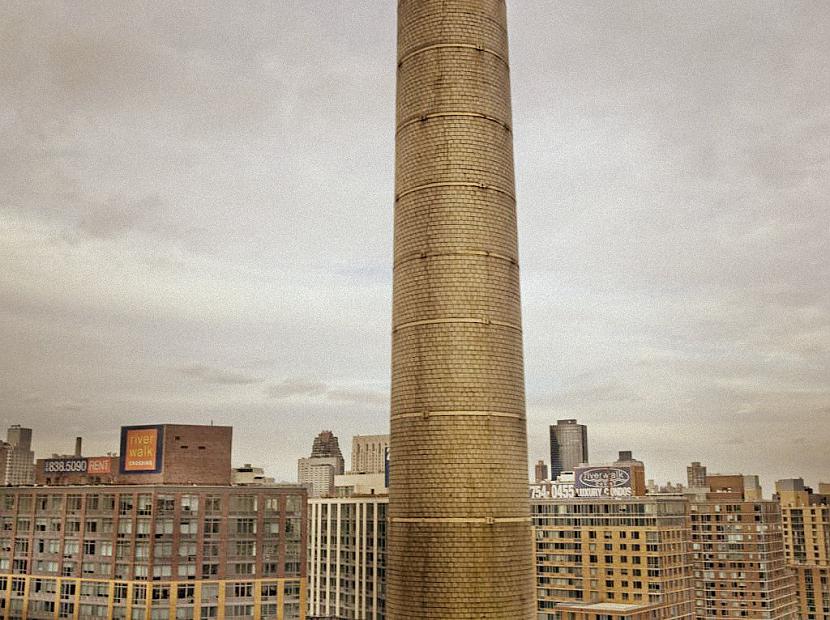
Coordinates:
[460,541]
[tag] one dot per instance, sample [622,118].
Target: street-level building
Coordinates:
[806,520]
[613,558]
[347,557]
[143,552]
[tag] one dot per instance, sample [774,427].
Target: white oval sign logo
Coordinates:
[599,477]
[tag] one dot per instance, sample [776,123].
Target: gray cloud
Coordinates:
[189,183]
[219,376]
[295,387]
[363,397]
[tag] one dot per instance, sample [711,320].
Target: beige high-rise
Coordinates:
[460,542]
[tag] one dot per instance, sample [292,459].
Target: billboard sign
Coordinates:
[65,466]
[141,448]
[78,465]
[99,465]
[603,481]
[552,490]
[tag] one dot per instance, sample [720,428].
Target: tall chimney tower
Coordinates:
[460,543]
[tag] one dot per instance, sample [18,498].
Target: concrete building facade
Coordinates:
[347,558]
[248,475]
[360,484]
[460,543]
[568,446]
[369,454]
[153,552]
[317,474]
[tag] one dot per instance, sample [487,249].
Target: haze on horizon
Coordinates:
[196,225]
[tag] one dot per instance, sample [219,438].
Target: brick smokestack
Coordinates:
[460,541]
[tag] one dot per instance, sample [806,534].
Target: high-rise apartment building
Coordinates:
[19,437]
[613,559]
[806,519]
[369,454]
[317,472]
[347,558]
[696,475]
[568,446]
[460,542]
[738,552]
[17,459]
[152,552]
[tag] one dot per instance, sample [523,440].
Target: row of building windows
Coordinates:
[142,503]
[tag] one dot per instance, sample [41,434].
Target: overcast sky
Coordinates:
[196,224]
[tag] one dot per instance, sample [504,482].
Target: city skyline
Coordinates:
[197,226]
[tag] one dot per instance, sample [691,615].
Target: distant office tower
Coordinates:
[347,581]
[318,471]
[738,551]
[19,437]
[326,446]
[17,460]
[460,542]
[568,446]
[369,454]
[541,471]
[806,518]
[696,475]
[613,559]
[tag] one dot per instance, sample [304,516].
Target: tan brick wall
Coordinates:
[460,543]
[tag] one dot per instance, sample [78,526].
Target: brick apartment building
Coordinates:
[613,559]
[172,540]
[738,551]
[806,521]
